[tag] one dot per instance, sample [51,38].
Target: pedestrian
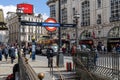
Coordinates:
[25,51]
[118,48]
[15,71]
[73,50]
[30,51]
[33,52]
[5,52]
[50,53]
[0,53]
[95,56]
[12,54]
[16,52]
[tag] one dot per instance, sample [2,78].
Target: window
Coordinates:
[63,1]
[99,3]
[73,11]
[52,11]
[64,15]
[99,19]
[115,10]
[23,29]
[85,13]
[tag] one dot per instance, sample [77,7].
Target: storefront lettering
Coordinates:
[114,41]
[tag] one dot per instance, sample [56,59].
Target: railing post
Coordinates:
[41,76]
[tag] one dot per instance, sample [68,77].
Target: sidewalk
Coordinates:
[6,68]
[40,66]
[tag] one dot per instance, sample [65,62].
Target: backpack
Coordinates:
[50,52]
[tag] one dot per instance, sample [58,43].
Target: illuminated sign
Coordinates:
[27,8]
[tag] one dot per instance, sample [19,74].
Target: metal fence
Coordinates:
[103,66]
[25,70]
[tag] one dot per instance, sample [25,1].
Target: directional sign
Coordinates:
[68,25]
[50,24]
[30,23]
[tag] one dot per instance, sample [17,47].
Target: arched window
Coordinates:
[114,32]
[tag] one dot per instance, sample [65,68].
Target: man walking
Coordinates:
[12,54]
[49,56]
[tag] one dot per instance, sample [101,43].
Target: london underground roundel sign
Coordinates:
[51,20]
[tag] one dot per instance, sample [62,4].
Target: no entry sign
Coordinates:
[49,28]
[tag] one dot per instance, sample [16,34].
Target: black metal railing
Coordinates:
[104,66]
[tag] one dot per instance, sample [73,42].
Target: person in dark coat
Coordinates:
[49,52]
[12,54]
[5,52]
[0,53]
[15,70]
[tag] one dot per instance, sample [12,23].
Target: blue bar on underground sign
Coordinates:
[51,24]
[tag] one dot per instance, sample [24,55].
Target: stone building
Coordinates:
[26,31]
[98,20]
[3,28]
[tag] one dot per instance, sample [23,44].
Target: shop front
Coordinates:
[86,40]
[113,38]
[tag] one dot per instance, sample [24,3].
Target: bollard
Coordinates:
[69,66]
[41,76]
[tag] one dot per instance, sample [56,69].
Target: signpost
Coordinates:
[30,23]
[68,25]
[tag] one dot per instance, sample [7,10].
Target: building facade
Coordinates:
[3,28]
[24,33]
[98,20]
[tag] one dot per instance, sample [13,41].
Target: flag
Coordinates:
[93,34]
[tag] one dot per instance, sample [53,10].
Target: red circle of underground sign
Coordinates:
[51,20]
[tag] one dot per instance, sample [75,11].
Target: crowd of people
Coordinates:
[8,51]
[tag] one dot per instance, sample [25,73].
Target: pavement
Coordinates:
[6,68]
[40,66]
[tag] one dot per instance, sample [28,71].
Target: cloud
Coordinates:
[8,8]
[45,16]
[12,8]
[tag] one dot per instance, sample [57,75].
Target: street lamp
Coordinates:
[19,12]
[60,57]
[76,17]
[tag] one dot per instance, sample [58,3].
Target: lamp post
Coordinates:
[60,57]
[19,12]
[76,17]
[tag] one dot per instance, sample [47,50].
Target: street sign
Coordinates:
[30,23]
[51,28]
[50,24]
[68,25]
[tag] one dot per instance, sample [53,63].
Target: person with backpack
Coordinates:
[50,53]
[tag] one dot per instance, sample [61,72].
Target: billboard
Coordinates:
[27,8]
